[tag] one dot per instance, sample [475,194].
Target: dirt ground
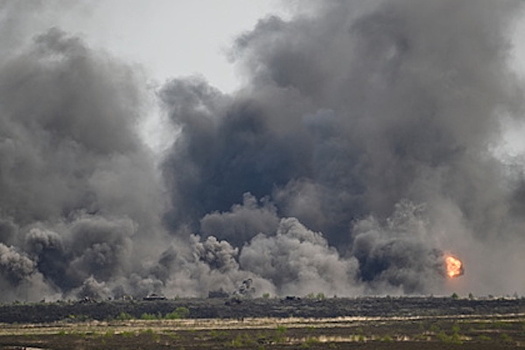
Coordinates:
[428,332]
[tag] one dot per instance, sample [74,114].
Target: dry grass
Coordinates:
[458,332]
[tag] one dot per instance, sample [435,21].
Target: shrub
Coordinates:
[124,316]
[281,329]
[279,336]
[455,328]
[387,339]
[454,338]
[178,313]
[146,316]
[505,337]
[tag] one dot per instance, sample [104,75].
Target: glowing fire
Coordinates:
[454,266]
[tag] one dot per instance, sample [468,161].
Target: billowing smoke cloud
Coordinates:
[358,151]
[371,124]
[298,260]
[79,193]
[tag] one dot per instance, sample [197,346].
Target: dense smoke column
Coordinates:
[358,151]
[79,195]
[352,116]
[357,109]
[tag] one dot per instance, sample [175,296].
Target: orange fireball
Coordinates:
[454,266]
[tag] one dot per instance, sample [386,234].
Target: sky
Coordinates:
[178,38]
[172,38]
[180,147]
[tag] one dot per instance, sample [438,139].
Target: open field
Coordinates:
[272,307]
[432,328]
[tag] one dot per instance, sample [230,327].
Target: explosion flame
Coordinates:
[454,266]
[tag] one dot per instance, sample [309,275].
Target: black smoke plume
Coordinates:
[360,148]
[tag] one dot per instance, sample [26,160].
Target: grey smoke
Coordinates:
[397,253]
[14,266]
[358,152]
[242,222]
[218,255]
[350,111]
[298,260]
[80,195]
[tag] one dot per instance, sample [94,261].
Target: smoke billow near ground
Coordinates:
[359,150]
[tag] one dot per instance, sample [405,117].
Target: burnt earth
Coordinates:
[245,308]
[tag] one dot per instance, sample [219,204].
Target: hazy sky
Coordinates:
[170,38]
[179,37]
